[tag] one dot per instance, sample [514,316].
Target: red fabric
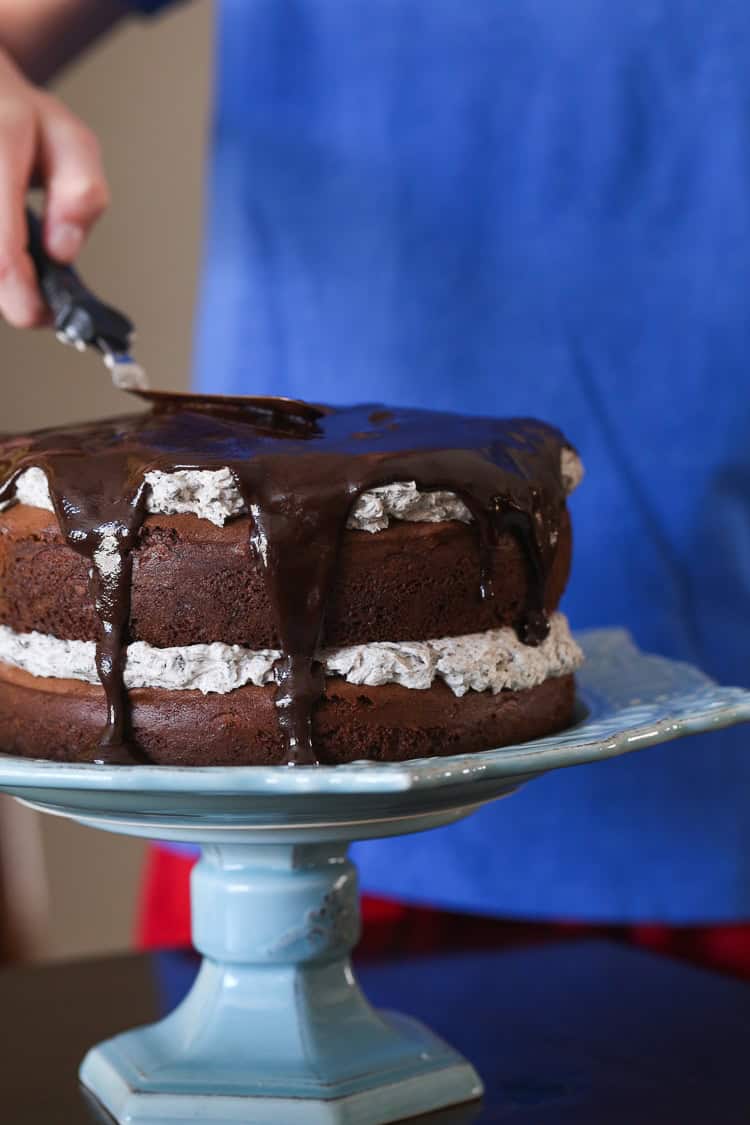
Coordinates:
[164,909]
[394,927]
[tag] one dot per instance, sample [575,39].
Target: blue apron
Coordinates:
[533,208]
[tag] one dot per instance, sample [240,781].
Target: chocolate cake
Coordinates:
[239,581]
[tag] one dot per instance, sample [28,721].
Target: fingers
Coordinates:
[40,138]
[20,301]
[76,187]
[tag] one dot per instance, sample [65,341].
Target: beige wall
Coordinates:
[146,92]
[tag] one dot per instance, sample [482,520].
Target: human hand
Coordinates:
[42,143]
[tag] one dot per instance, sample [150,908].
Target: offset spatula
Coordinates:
[84,321]
[80,318]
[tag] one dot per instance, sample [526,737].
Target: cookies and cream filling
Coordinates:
[491,661]
[212,494]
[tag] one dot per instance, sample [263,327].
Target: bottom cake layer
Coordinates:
[61,719]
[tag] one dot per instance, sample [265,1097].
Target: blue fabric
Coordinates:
[535,208]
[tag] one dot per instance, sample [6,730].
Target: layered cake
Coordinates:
[240,582]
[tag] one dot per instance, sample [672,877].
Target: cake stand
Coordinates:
[275,1030]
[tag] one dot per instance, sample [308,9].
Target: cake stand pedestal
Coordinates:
[276,1014]
[275,1030]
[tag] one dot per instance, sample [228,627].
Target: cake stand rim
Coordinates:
[692,703]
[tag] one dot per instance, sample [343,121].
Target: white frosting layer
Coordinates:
[212,494]
[375,509]
[32,489]
[571,469]
[493,661]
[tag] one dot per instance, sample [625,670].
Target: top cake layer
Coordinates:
[296,482]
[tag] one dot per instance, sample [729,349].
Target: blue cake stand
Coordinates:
[276,1030]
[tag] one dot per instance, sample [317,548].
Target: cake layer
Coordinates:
[62,720]
[195,583]
[492,661]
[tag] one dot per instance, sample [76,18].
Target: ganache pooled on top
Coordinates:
[299,469]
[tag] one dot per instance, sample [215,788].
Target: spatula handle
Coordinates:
[79,316]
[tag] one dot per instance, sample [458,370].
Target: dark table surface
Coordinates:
[584,1032]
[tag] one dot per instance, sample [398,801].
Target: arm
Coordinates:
[42,142]
[42,36]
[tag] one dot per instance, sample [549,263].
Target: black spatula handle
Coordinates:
[79,316]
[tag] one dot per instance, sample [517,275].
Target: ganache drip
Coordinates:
[299,470]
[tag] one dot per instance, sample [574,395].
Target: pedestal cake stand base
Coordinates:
[276,1014]
[276,1030]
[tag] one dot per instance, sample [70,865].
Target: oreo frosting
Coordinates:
[299,472]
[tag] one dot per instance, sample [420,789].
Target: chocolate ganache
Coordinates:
[299,470]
